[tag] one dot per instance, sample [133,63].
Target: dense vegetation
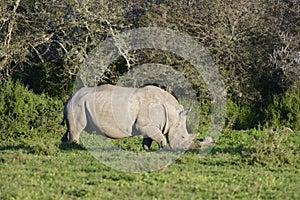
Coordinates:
[255,45]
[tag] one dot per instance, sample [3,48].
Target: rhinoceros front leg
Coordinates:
[147,143]
[153,133]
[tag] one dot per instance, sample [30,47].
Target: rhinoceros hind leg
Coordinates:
[76,127]
[147,143]
[66,136]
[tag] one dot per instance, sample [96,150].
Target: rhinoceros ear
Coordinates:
[185,112]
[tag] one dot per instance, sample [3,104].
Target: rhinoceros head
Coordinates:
[178,136]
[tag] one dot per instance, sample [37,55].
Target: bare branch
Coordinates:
[120,44]
[11,24]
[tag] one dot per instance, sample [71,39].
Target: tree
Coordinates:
[254,43]
[44,42]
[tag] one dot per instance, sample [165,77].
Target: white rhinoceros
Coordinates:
[119,112]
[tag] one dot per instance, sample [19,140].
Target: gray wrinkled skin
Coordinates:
[119,112]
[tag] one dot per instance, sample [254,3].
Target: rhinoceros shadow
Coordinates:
[71,146]
[24,147]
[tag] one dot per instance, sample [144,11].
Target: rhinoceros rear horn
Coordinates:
[185,112]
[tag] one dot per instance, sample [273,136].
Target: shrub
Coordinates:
[272,148]
[239,117]
[285,111]
[25,114]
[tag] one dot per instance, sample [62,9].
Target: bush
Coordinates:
[285,111]
[239,117]
[272,148]
[25,114]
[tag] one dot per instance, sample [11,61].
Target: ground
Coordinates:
[43,168]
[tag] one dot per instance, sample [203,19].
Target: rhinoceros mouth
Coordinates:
[200,143]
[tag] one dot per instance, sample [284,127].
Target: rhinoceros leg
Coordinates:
[66,136]
[76,122]
[155,134]
[147,143]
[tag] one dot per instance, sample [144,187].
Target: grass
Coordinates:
[242,165]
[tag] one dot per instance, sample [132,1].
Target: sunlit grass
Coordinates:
[238,167]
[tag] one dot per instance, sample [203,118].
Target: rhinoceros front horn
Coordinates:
[198,144]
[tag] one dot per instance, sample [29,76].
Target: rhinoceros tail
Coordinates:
[64,117]
[63,121]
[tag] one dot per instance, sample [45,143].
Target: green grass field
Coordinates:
[254,164]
